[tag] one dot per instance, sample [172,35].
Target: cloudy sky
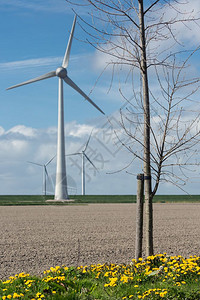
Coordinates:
[34,36]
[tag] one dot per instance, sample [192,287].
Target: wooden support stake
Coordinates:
[139,216]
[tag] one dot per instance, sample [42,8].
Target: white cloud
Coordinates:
[45,152]
[12,151]
[28,63]
[42,62]
[161,39]
[23,131]
[188,31]
[78,130]
[2,131]
[51,131]
[56,6]
[21,144]
[182,32]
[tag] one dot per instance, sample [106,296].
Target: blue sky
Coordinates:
[34,42]
[34,37]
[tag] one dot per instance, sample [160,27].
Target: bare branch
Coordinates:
[151,6]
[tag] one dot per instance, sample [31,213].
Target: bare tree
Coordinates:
[142,38]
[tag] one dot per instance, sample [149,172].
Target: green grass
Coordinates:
[157,277]
[40,200]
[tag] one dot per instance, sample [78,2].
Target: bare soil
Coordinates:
[34,238]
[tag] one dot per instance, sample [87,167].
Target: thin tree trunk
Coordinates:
[147,169]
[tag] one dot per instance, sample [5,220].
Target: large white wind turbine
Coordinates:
[61,192]
[84,156]
[45,174]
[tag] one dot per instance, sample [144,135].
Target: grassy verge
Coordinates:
[41,200]
[157,277]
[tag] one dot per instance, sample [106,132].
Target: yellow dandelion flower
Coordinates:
[38,295]
[162,294]
[98,274]
[6,282]
[140,259]
[124,278]
[106,284]
[15,295]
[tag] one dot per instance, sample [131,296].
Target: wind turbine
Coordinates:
[84,156]
[61,192]
[45,173]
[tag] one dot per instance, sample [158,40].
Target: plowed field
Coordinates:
[34,238]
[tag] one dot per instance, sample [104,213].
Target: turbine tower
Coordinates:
[44,172]
[61,192]
[84,156]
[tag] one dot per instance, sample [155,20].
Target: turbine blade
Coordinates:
[35,163]
[86,145]
[45,76]
[73,154]
[50,161]
[67,52]
[76,88]
[45,169]
[90,161]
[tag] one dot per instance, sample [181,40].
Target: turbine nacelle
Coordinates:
[61,72]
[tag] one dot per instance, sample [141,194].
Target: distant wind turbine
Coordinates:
[44,172]
[84,156]
[61,192]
